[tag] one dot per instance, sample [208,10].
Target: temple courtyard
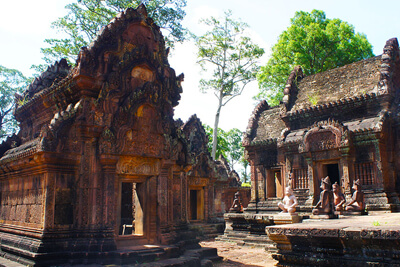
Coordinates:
[386,224]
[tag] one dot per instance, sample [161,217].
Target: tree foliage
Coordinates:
[315,43]
[85,18]
[11,81]
[229,145]
[245,174]
[222,148]
[231,57]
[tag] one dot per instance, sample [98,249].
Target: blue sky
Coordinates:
[24,24]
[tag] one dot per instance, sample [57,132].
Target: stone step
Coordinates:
[202,257]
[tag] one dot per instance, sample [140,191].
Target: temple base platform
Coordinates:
[372,240]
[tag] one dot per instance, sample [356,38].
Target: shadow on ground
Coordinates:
[241,256]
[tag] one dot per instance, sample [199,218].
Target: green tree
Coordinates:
[235,149]
[245,175]
[11,81]
[229,145]
[231,57]
[315,43]
[85,18]
[222,147]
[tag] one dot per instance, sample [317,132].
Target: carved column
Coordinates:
[254,184]
[311,181]
[379,167]
[345,180]
[206,202]
[268,179]
[49,184]
[184,199]
[162,195]
[110,192]
[288,171]
[261,182]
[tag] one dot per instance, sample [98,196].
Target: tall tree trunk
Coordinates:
[215,131]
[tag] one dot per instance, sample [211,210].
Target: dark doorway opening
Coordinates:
[193,204]
[332,170]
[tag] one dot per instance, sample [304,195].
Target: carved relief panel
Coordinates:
[138,166]
[145,137]
[326,135]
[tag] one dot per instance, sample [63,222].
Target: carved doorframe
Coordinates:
[143,171]
[326,142]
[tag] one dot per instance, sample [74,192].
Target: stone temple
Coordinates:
[342,123]
[99,164]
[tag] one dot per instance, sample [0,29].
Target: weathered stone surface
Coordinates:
[350,241]
[286,218]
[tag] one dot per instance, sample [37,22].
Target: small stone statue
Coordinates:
[236,205]
[338,197]
[289,202]
[357,202]
[325,203]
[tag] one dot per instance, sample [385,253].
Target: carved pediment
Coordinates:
[325,135]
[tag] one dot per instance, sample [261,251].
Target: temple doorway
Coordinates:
[131,220]
[196,204]
[332,170]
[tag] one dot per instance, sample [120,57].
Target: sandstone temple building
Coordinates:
[99,163]
[343,123]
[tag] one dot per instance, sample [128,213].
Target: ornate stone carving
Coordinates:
[138,166]
[326,135]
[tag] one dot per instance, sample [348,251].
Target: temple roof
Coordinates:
[270,125]
[358,78]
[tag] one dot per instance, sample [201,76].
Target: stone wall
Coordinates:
[22,200]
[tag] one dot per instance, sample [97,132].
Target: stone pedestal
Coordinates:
[353,213]
[324,216]
[287,218]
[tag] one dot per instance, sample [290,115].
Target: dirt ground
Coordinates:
[234,255]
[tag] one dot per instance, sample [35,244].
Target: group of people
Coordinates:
[329,201]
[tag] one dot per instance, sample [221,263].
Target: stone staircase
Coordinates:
[248,239]
[207,231]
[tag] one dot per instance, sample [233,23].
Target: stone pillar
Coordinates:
[345,180]
[254,184]
[268,179]
[261,182]
[49,184]
[379,165]
[152,220]
[170,196]
[110,192]
[311,181]
[162,196]
[184,198]
[206,202]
